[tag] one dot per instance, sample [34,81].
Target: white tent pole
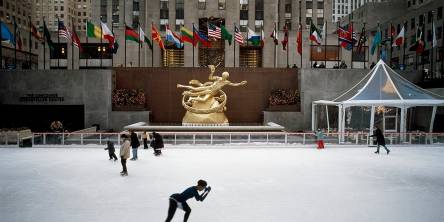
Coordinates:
[339,122]
[403,123]
[313,106]
[432,120]
[372,122]
[328,121]
[344,110]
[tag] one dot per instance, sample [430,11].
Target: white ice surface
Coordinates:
[249,184]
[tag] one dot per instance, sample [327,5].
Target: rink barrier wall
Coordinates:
[219,138]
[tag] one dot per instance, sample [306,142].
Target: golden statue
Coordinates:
[205,102]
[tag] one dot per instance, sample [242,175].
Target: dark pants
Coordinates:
[112,155]
[377,149]
[123,161]
[145,143]
[172,210]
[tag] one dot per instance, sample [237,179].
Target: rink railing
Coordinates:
[213,138]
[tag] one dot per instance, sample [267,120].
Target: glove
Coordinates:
[208,189]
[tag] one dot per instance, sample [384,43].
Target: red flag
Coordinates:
[156,36]
[76,41]
[299,40]
[285,41]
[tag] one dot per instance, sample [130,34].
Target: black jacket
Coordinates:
[134,141]
[157,141]
[380,140]
[110,148]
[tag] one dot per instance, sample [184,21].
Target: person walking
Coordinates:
[180,200]
[380,140]
[124,154]
[134,144]
[111,150]
[320,138]
[145,138]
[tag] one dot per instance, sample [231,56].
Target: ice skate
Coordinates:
[377,152]
[388,151]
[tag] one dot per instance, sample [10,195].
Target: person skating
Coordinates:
[380,140]
[111,150]
[157,143]
[134,144]
[320,138]
[180,200]
[124,154]
[145,138]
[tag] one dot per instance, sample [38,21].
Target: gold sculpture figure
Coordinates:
[205,102]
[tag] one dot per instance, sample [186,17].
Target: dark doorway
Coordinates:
[39,117]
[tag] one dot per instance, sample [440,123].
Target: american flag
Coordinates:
[214,31]
[238,35]
[63,31]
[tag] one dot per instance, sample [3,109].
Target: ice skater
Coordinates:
[111,150]
[134,144]
[380,140]
[320,138]
[157,143]
[145,138]
[124,154]
[180,200]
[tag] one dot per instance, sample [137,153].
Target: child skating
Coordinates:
[111,150]
[180,200]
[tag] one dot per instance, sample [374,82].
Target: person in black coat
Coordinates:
[134,145]
[111,150]
[157,143]
[380,140]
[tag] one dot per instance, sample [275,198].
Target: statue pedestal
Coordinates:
[211,119]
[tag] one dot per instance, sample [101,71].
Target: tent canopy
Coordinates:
[383,86]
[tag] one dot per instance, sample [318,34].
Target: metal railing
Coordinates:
[215,138]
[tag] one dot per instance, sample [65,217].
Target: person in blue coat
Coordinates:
[180,199]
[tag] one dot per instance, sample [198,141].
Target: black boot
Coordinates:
[377,152]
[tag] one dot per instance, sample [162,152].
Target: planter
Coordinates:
[284,108]
[128,107]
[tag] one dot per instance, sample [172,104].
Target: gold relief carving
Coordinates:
[206,102]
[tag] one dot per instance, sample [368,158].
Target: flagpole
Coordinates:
[15,36]
[72,44]
[339,25]
[193,44]
[30,41]
[274,44]
[416,54]
[365,51]
[139,43]
[442,48]
[377,53]
[351,34]
[112,53]
[58,43]
[325,42]
[403,46]
[86,37]
[234,44]
[300,28]
[124,30]
[1,46]
[152,48]
[100,47]
[391,43]
[424,40]
[288,46]
[44,44]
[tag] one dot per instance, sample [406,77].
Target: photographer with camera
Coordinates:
[180,200]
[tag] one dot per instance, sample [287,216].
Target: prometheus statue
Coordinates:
[205,102]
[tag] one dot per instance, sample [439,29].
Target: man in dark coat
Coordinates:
[380,140]
[157,143]
[111,150]
[135,143]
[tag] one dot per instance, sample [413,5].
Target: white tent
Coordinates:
[382,86]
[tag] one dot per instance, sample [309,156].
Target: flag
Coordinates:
[238,37]
[262,42]
[362,40]
[226,35]
[254,38]
[47,36]
[108,35]
[34,32]
[149,43]
[419,43]
[7,35]
[172,37]
[63,31]
[434,41]
[324,31]
[376,41]
[214,31]
[131,35]
[141,35]
[315,35]
[347,38]
[187,36]
[285,41]
[18,38]
[202,38]
[156,36]
[274,35]
[399,40]
[299,40]
[93,31]
[76,40]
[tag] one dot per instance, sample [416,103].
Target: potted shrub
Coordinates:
[283,100]
[128,100]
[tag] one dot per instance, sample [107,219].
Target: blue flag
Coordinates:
[7,34]
[376,41]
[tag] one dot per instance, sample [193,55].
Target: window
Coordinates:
[259,9]
[320,22]
[429,17]
[201,4]
[221,4]
[179,9]
[243,15]
[163,23]
[320,5]
[258,24]
[439,15]
[288,24]
[179,22]
[163,4]
[288,6]
[243,25]
[164,9]
[309,5]
[244,5]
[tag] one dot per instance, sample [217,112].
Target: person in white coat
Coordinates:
[124,154]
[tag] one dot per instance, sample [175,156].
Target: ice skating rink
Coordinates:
[249,184]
